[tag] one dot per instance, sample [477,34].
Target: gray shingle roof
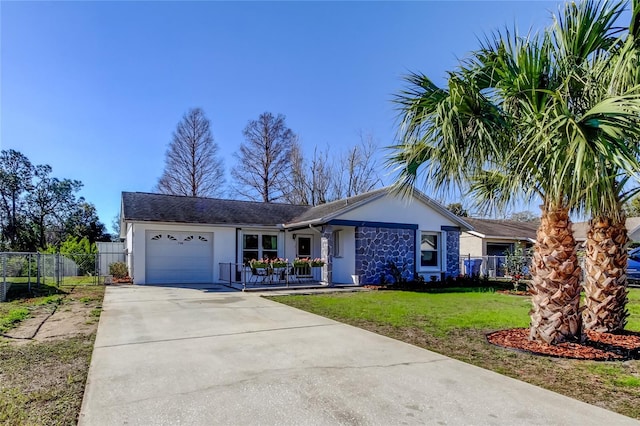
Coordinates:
[147,207]
[139,206]
[504,228]
[324,211]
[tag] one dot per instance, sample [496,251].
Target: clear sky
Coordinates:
[95,89]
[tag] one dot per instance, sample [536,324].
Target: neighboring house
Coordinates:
[633,229]
[175,239]
[493,237]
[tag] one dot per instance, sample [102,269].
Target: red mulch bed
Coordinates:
[374,287]
[596,347]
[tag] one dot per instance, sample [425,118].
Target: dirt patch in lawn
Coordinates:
[76,314]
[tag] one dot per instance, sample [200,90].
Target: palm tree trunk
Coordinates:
[606,277]
[555,291]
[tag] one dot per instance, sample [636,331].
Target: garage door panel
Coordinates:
[179,257]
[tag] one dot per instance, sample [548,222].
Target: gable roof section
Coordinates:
[507,229]
[146,207]
[325,212]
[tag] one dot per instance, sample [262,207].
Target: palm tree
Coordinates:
[605,281]
[513,120]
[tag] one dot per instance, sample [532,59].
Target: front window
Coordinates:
[337,252]
[429,250]
[269,246]
[259,246]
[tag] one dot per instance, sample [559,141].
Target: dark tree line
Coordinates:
[38,210]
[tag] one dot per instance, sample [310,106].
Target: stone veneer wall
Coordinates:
[453,253]
[326,252]
[376,247]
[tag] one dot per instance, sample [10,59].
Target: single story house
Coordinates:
[491,237]
[177,239]
[633,229]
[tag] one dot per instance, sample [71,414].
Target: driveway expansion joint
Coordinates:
[215,335]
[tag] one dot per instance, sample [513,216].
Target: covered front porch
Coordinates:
[348,253]
[273,276]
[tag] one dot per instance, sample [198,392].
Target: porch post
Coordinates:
[326,250]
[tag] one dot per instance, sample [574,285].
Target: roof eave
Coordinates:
[224,225]
[502,237]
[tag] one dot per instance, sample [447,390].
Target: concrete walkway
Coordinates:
[200,357]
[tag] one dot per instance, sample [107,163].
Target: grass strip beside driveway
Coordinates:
[42,380]
[455,324]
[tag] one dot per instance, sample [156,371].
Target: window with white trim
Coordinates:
[429,250]
[269,246]
[337,252]
[259,246]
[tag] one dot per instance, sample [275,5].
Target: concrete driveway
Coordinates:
[199,357]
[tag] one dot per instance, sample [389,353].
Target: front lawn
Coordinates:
[455,324]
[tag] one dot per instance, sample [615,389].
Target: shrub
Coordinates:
[119,270]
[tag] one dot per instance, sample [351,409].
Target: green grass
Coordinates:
[11,317]
[48,300]
[81,280]
[616,374]
[455,324]
[43,383]
[437,313]
[23,302]
[22,291]
[633,306]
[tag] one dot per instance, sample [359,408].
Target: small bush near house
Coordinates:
[477,282]
[119,270]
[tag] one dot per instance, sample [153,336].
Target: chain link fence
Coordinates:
[44,269]
[495,266]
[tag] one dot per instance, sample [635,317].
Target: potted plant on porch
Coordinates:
[302,267]
[317,262]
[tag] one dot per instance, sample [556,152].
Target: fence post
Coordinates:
[29,271]
[38,269]
[56,269]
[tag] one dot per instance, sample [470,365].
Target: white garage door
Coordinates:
[179,257]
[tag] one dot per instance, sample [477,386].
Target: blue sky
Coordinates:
[95,89]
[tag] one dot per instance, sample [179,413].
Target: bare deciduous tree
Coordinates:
[322,172]
[295,187]
[264,159]
[192,166]
[309,183]
[358,168]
